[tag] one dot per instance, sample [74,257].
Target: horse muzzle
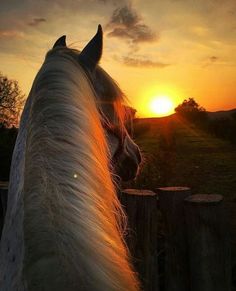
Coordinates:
[127,165]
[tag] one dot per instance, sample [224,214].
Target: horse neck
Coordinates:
[72,239]
[12,241]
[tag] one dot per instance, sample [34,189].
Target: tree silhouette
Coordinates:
[192,111]
[11,101]
[189,105]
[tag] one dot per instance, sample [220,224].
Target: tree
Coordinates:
[189,105]
[192,111]
[11,101]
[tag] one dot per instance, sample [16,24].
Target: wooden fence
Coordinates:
[196,250]
[3,203]
[195,255]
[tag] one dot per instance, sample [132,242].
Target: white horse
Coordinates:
[62,229]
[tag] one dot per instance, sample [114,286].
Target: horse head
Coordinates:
[124,153]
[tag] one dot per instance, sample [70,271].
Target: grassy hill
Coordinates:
[179,154]
[221,114]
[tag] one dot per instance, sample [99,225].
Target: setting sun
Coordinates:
[161,106]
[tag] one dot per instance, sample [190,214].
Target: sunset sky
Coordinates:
[152,48]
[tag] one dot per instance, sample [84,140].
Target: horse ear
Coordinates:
[61,42]
[92,52]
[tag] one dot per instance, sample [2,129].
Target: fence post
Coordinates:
[140,207]
[208,243]
[171,201]
[3,203]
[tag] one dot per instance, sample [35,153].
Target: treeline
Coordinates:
[7,142]
[220,126]
[11,104]
[224,128]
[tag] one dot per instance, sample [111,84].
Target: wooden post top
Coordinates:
[209,199]
[139,192]
[173,189]
[4,184]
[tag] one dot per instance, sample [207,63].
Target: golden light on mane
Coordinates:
[72,216]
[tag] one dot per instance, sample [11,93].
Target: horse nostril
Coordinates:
[129,173]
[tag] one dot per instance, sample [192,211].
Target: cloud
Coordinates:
[213,59]
[125,16]
[36,21]
[210,61]
[126,23]
[139,61]
[11,34]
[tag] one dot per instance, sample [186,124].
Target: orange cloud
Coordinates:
[11,34]
[140,62]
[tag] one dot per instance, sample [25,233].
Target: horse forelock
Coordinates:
[71,212]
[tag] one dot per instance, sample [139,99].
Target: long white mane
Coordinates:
[72,238]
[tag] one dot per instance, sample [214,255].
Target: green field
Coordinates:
[176,153]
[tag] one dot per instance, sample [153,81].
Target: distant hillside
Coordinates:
[211,115]
[221,114]
[154,119]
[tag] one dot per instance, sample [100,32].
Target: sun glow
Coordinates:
[161,106]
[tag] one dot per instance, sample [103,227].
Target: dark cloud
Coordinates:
[124,16]
[36,21]
[126,23]
[142,62]
[210,61]
[213,59]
